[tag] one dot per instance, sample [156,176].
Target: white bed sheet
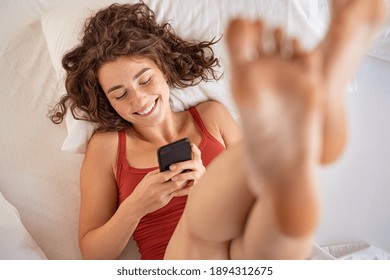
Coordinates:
[42,182]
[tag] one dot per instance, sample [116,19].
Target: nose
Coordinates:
[137,98]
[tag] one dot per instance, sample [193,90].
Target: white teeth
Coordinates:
[147,110]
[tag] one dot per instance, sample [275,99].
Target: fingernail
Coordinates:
[172,167]
[174,178]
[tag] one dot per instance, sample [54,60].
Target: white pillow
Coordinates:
[15,241]
[201,20]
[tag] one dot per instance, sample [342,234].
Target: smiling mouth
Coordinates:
[147,111]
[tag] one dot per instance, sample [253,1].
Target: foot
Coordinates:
[278,94]
[353,26]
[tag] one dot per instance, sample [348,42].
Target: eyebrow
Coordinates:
[143,70]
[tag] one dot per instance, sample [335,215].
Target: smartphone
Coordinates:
[174,152]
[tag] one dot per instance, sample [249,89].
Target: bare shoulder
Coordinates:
[213,113]
[102,147]
[102,141]
[217,118]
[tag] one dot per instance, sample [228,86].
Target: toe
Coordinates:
[278,36]
[243,40]
[296,48]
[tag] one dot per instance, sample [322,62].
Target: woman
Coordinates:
[119,77]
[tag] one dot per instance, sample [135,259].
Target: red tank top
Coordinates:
[155,229]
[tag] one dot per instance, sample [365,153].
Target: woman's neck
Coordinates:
[166,132]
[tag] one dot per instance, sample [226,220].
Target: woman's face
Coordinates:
[136,89]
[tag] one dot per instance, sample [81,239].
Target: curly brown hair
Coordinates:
[127,30]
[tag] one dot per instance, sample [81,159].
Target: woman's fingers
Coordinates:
[188,165]
[186,176]
[182,166]
[167,175]
[180,175]
[196,154]
[182,192]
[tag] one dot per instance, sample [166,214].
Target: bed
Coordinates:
[40,161]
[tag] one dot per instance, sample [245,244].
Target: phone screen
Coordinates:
[174,152]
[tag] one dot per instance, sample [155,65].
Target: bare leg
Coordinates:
[216,211]
[352,28]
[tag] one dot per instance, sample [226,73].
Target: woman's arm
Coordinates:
[104,230]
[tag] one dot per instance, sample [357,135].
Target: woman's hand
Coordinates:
[155,190]
[194,171]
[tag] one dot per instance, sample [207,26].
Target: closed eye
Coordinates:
[122,96]
[145,83]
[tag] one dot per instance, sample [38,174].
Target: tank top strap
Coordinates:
[121,154]
[195,115]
